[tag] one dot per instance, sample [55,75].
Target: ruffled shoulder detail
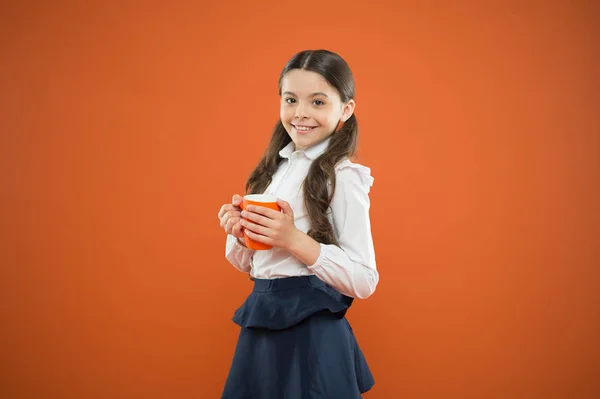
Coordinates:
[363,172]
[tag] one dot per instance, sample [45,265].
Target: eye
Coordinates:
[318,102]
[290,100]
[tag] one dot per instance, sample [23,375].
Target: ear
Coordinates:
[348,110]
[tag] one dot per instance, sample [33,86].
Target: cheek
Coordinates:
[329,120]
[329,117]
[284,114]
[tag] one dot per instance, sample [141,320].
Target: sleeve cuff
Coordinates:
[318,263]
[237,246]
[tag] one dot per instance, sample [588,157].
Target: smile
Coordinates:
[303,128]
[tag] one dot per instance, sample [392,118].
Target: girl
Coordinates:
[295,342]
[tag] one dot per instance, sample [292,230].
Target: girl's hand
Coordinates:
[269,226]
[230,217]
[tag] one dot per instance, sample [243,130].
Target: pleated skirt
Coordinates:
[295,343]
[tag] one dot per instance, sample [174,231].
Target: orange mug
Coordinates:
[268,201]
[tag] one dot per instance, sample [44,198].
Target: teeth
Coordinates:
[303,128]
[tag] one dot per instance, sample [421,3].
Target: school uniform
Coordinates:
[295,342]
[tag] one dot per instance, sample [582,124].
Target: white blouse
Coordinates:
[349,268]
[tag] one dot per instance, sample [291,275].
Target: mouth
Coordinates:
[303,128]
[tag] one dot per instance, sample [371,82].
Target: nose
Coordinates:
[301,111]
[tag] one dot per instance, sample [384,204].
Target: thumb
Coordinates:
[285,207]
[236,200]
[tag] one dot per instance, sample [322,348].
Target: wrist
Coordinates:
[295,240]
[304,247]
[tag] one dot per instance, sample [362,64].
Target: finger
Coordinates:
[254,227]
[258,237]
[230,214]
[227,226]
[267,212]
[236,200]
[236,231]
[285,206]
[230,223]
[224,219]
[258,218]
[224,209]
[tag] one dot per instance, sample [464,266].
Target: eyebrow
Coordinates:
[312,95]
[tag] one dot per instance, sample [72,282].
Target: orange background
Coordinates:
[125,126]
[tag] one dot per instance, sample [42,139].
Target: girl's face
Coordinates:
[310,108]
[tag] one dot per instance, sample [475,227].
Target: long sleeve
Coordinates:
[238,255]
[350,268]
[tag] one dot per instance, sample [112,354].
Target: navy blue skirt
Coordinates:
[295,343]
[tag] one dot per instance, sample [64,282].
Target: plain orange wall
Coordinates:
[124,127]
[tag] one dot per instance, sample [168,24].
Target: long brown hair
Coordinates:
[322,171]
